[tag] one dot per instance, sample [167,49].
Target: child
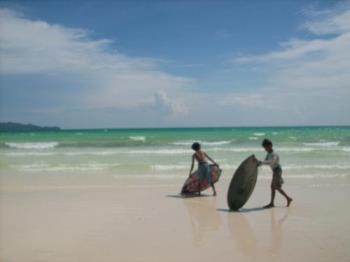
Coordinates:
[272,159]
[203,165]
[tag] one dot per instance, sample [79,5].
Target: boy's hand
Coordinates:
[258,163]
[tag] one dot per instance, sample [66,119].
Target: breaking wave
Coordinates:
[32,145]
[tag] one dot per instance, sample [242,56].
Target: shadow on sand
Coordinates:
[242,210]
[184,196]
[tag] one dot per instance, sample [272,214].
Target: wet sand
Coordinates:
[107,218]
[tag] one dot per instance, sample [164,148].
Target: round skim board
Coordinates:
[242,183]
[193,182]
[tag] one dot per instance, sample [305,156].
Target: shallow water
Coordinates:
[305,152]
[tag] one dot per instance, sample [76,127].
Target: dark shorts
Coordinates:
[277,180]
[204,171]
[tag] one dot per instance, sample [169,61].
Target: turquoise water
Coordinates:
[305,152]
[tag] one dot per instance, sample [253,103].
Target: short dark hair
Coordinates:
[196,146]
[266,142]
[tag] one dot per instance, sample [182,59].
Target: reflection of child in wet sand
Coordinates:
[203,166]
[272,159]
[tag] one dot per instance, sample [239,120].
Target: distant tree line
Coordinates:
[17,127]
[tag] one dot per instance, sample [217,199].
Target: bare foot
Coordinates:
[289,200]
[214,193]
[269,205]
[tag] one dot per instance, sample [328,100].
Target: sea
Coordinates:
[305,152]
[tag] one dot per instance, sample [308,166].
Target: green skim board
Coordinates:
[242,183]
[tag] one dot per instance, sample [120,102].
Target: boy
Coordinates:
[272,159]
[203,165]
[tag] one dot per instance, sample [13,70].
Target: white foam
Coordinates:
[317,166]
[169,167]
[313,176]
[323,144]
[205,143]
[346,149]
[258,134]
[62,167]
[29,154]
[94,153]
[259,149]
[186,167]
[253,138]
[159,151]
[138,138]
[32,145]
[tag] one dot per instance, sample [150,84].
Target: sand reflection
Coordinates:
[254,241]
[242,234]
[203,218]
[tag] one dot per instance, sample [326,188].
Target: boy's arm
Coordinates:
[192,165]
[211,159]
[269,161]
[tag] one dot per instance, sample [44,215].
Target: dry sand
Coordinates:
[106,218]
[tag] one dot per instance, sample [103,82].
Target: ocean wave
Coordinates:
[159,151]
[169,167]
[235,166]
[205,143]
[153,151]
[259,149]
[15,154]
[308,176]
[258,134]
[53,168]
[322,144]
[316,166]
[138,138]
[346,149]
[31,145]
[253,138]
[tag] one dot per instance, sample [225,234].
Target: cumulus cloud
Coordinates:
[163,102]
[103,77]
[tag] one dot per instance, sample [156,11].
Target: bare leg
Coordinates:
[213,187]
[289,199]
[273,194]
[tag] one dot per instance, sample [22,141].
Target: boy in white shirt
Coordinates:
[272,159]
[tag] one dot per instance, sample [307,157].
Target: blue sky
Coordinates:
[87,64]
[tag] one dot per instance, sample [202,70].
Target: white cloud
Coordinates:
[323,23]
[106,77]
[309,79]
[164,102]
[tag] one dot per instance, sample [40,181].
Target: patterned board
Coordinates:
[242,183]
[193,182]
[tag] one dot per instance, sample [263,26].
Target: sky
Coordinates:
[104,64]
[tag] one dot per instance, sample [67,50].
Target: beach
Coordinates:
[126,219]
[113,195]
[112,111]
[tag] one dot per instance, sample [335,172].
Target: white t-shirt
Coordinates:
[272,159]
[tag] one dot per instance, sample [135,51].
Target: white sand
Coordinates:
[61,218]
